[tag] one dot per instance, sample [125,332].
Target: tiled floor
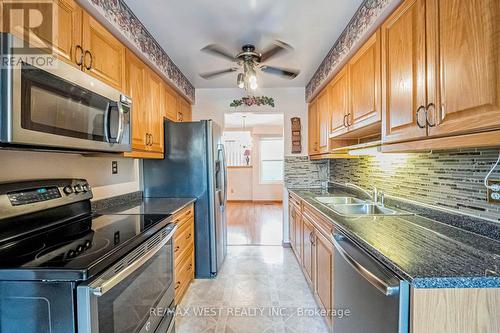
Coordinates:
[260,289]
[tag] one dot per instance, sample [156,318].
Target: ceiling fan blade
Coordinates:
[211,75]
[277,48]
[287,73]
[219,51]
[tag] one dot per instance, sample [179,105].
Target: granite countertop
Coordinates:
[147,206]
[425,252]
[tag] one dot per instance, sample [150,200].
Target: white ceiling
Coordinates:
[183,27]
[250,120]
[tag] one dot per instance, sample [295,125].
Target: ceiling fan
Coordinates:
[248,61]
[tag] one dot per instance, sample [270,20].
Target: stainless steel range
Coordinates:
[64,270]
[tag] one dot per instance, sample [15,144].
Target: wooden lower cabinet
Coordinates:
[314,251]
[183,251]
[308,249]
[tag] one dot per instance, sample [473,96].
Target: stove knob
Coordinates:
[71,254]
[85,187]
[78,188]
[88,244]
[68,190]
[79,249]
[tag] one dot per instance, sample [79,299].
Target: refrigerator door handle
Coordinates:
[222,153]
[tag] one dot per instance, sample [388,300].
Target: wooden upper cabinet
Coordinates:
[339,103]
[313,133]
[171,104]
[184,110]
[155,100]
[464,48]
[135,80]
[104,56]
[68,35]
[404,73]
[323,120]
[364,82]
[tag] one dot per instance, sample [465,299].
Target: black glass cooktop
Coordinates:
[77,250]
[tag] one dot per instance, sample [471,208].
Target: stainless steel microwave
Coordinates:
[60,107]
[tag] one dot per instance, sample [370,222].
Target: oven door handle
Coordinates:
[107,285]
[388,285]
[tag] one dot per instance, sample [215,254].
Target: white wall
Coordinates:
[240,183]
[22,165]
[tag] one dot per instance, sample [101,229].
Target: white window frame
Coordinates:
[268,138]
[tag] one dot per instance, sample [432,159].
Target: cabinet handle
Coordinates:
[151,139]
[146,139]
[177,285]
[78,47]
[311,237]
[177,248]
[428,111]
[91,59]
[190,266]
[420,108]
[345,117]
[188,236]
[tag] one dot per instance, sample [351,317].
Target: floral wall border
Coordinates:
[121,17]
[368,15]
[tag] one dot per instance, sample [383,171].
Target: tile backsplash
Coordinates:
[452,179]
[300,172]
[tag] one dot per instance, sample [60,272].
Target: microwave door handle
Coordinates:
[107,285]
[121,120]
[385,287]
[106,122]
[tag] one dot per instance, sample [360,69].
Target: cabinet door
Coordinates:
[68,30]
[339,102]
[308,250]
[105,55]
[313,136]
[324,120]
[135,88]
[298,235]
[68,36]
[155,109]
[364,82]
[465,35]
[324,271]
[171,104]
[403,73]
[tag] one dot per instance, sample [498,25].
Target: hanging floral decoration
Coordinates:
[253,100]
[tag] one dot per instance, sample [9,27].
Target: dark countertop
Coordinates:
[427,253]
[148,206]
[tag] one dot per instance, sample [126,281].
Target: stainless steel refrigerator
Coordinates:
[194,167]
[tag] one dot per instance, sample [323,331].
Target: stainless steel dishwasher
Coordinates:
[377,299]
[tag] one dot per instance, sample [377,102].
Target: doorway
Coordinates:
[255,152]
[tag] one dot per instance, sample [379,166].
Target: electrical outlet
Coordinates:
[494,193]
[114,167]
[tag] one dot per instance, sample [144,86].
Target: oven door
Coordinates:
[134,295]
[62,107]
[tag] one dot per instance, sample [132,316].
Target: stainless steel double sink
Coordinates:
[350,206]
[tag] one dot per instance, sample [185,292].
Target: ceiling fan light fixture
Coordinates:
[241,80]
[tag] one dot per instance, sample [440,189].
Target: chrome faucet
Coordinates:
[374,195]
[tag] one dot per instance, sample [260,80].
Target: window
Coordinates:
[271,160]
[238,146]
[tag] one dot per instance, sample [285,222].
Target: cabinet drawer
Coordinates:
[184,215]
[320,223]
[184,274]
[183,240]
[296,201]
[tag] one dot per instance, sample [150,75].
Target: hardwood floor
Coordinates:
[253,223]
